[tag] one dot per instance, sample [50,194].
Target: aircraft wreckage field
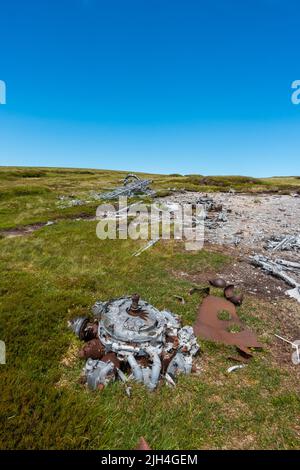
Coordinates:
[206,355]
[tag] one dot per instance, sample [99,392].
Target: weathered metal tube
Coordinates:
[136,369]
[155,372]
[98,373]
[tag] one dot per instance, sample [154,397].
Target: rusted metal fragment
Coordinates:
[209,326]
[237,358]
[218,282]
[166,359]
[135,309]
[84,329]
[245,352]
[179,298]
[143,445]
[91,331]
[93,349]
[229,294]
[112,357]
[201,290]
[174,340]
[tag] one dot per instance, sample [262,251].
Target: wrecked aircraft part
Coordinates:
[295,345]
[136,337]
[180,363]
[131,177]
[286,243]
[152,379]
[294,293]
[296,354]
[111,357]
[144,248]
[207,202]
[288,265]
[93,349]
[274,267]
[278,268]
[90,331]
[218,282]
[229,294]
[179,298]
[222,217]
[130,188]
[201,290]
[209,326]
[98,373]
[236,299]
[166,359]
[170,381]
[78,325]
[70,201]
[84,329]
[234,368]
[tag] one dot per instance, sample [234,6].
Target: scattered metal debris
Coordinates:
[209,326]
[278,268]
[202,290]
[207,202]
[234,368]
[229,290]
[70,201]
[286,243]
[179,298]
[222,217]
[229,294]
[294,293]
[251,218]
[218,282]
[295,345]
[144,248]
[132,185]
[130,336]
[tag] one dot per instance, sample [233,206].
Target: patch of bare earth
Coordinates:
[241,273]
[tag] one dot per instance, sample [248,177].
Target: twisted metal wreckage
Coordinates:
[132,185]
[278,268]
[129,338]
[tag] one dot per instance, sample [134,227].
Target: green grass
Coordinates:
[30,195]
[57,273]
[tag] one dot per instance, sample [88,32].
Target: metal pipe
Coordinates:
[136,369]
[283,339]
[156,368]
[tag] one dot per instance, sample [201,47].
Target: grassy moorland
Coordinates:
[59,271]
[29,195]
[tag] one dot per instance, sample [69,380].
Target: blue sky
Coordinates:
[163,86]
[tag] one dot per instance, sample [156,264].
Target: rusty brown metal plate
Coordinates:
[208,325]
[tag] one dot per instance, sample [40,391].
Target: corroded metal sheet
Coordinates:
[208,325]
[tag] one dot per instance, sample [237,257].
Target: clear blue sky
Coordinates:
[164,86]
